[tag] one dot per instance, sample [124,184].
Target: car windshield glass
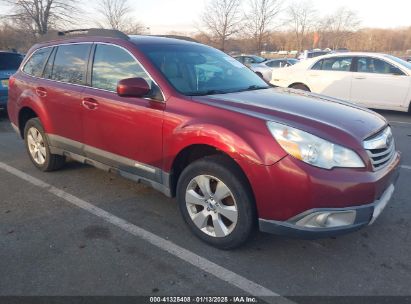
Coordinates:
[10,61]
[199,70]
[400,61]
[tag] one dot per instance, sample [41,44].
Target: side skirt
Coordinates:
[131,176]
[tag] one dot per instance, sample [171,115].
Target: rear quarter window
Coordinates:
[35,64]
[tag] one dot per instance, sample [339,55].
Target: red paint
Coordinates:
[154,133]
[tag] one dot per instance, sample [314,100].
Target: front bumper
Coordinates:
[364,215]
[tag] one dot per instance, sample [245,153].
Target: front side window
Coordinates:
[199,70]
[376,66]
[112,64]
[35,64]
[70,63]
[339,64]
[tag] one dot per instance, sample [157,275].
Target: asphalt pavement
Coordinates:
[82,231]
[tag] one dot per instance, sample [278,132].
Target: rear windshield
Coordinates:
[9,61]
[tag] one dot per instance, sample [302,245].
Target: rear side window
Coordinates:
[112,64]
[10,61]
[35,64]
[70,63]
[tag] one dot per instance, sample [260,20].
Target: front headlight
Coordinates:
[312,149]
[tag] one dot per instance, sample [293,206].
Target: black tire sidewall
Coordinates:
[227,173]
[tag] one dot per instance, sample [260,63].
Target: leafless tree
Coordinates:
[341,25]
[39,16]
[116,15]
[301,18]
[260,17]
[222,19]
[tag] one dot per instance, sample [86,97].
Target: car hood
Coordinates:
[332,119]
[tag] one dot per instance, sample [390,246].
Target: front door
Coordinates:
[122,132]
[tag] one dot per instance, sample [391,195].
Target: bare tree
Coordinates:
[222,19]
[260,18]
[39,16]
[116,15]
[341,25]
[302,18]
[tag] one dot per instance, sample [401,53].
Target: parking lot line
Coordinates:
[406,167]
[220,272]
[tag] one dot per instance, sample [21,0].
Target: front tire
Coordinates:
[216,202]
[38,147]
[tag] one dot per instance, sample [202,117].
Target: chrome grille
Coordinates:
[380,148]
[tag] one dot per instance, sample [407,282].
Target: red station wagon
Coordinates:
[195,123]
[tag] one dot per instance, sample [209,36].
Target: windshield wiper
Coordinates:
[254,88]
[204,93]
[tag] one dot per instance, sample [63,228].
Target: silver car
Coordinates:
[263,67]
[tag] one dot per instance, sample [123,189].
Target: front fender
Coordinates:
[242,145]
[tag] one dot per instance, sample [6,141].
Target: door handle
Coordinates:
[314,75]
[41,92]
[360,77]
[90,103]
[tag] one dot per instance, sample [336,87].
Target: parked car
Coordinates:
[9,63]
[256,64]
[196,124]
[372,80]
[312,54]
[265,69]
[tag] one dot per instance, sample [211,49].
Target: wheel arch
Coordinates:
[191,153]
[24,115]
[299,83]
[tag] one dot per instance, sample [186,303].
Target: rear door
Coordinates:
[123,132]
[62,88]
[377,83]
[331,76]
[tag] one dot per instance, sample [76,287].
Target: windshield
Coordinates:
[199,70]
[400,61]
[10,61]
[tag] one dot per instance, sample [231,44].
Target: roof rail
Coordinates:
[177,37]
[100,32]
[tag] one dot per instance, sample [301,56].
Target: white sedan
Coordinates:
[373,80]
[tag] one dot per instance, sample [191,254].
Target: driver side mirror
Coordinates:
[133,87]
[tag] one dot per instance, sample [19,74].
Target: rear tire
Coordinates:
[216,202]
[38,148]
[300,86]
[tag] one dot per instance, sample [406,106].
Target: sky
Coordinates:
[183,16]
[163,16]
